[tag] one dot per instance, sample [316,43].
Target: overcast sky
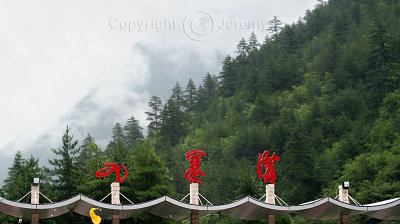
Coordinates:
[89,64]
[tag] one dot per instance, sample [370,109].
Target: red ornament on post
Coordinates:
[267,163]
[112,167]
[192,174]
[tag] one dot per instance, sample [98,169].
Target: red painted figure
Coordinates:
[266,162]
[114,168]
[192,174]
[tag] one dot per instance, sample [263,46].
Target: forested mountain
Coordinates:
[323,93]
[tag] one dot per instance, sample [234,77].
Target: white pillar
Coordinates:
[194,193]
[115,189]
[343,195]
[270,194]
[34,194]
[34,201]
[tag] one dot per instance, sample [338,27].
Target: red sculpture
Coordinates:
[113,167]
[266,162]
[192,174]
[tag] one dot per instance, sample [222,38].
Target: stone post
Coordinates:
[343,194]
[194,193]
[34,194]
[270,194]
[115,189]
[194,200]
[35,201]
[344,197]
[270,199]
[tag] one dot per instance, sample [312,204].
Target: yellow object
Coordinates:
[95,218]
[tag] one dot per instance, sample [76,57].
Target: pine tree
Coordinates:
[120,154]
[253,42]
[210,86]
[275,27]
[90,185]
[201,104]
[117,136]
[117,133]
[84,148]
[154,116]
[177,95]
[83,157]
[150,179]
[227,78]
[132,132]
[172,119]
[87,141]
[242,50]
[190,96]
[14,185]
[65,168]
[288,39]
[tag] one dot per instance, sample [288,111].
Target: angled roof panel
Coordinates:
[105,210]
[56,209]
[326,209]
[387,210]
[16,209]
[136,209]
[177,210]
[249,208]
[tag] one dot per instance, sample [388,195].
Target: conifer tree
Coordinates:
[132,132]
[227,78]
[14,185]
[177,95]
[117,136]
[84,148]
[190,96]
[90,185]
[210,87]
[150,179]
[201,104]
[172,119]
[242,50]
[117,133]
[275,27]
[154,116]
[253,42]
[65,167]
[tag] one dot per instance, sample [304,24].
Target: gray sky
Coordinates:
[89,64]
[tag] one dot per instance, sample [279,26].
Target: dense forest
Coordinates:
[323,93]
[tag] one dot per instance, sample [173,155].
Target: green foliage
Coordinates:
[64,170]
[21,173]
[190,96]
[154,116]
[117,136]
[132,132]
[323,93]
[90,185]
[149,177]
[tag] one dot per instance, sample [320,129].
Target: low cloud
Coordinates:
[64,65]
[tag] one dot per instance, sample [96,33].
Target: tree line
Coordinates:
[323,93]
